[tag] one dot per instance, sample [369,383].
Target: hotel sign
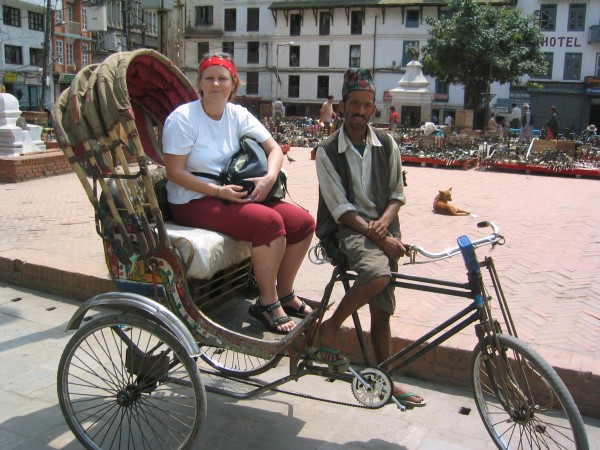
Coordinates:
[592,85]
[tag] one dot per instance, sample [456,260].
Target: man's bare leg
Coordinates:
[381,336]
[356,297]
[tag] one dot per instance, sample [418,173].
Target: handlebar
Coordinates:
[493,239]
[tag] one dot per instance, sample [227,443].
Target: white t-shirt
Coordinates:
[209,143]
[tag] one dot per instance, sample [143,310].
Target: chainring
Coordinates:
[377,391]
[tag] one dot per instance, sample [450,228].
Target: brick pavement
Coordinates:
[548,266]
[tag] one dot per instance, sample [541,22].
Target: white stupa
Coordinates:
[21,138]
[413,90]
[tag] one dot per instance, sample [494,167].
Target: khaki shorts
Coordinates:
[368,261]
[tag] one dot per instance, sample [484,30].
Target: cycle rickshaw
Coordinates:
[130,378]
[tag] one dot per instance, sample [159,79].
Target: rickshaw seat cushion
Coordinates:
[212,251]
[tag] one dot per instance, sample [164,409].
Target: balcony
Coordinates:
[68,29]
[202,32]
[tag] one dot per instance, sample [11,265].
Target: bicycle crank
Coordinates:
[373,388]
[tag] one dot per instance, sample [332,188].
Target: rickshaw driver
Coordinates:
[360,194]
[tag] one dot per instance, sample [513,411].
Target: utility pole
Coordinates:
[47,50]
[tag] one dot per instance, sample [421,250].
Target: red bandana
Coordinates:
[217,61]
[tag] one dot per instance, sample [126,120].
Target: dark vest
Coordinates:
[326,224]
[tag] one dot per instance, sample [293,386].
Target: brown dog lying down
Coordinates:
[441,205]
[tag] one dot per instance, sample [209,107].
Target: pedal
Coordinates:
[341,368]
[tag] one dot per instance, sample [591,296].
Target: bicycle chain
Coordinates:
[282,391]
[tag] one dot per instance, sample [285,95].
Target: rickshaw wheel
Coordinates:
[124,381]
[235,363]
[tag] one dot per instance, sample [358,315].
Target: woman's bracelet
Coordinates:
[218,192]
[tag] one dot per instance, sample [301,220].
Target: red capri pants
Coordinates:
[259,223]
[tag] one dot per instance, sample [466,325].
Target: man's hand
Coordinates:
[392,247]
[377,230]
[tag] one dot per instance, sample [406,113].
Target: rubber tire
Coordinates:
[236,364]
[527,434]
[93,368]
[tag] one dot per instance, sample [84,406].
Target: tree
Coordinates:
[480,44]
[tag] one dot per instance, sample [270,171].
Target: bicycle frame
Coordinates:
[478,310]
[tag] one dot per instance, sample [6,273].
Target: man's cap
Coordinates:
[526,105]
[592,127]
[358,80]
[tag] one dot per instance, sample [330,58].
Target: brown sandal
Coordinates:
[291,311]
[257,310]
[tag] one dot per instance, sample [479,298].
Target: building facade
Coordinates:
[22,38]
[298,50]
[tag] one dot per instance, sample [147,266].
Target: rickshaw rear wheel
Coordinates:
[237,364]
[124,381]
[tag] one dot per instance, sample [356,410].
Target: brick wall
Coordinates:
[14,169]
[53,281]
[452,367]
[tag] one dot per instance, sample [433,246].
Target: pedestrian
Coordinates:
[515,117]
[526,123]
[327,114]
[360,194]
[589,134]
[202,136]
[493,125]
[552,125]
[393,122]
[448,120]
[277,113]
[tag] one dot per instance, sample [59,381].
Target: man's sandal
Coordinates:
[339,365]
[403,400]
[257,310]
[292,311]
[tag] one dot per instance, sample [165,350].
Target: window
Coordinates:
[36,21]
[323,55]
[203,50]
[228,48]
[294,86]
[253,19]
[407,46]
[60,52]
[11,16]
[446,14]
[442,89]
[354,60]
[230,19]
[576,17]
[85,56]
[70,61]
[69,11]
[324,23]
[549,58]
[252,83]
[58,17]
[356,22]
[253,52]
[572,66]
[36,57]
[295,24]
[294,56]
[13,54]
[322,87]
[204,15]
[548,17]
[412,18]
[84,18]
